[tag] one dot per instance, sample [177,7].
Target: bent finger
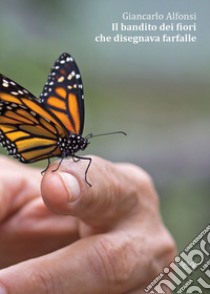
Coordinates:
[91,265]
[25,186]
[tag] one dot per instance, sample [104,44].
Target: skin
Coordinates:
[108,238]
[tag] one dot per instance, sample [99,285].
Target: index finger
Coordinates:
[18,185]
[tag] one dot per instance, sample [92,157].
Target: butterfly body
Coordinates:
[71,145]
[33,129]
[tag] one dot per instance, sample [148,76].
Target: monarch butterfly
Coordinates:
[33,129]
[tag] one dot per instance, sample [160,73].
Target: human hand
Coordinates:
[113,235]
[27,228]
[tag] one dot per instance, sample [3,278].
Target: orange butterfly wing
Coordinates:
[63,94]
[27,130]
[33,129]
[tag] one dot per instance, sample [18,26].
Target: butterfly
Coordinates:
[33,129]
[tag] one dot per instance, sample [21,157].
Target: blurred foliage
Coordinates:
[157,93]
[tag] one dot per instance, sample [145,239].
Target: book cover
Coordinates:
[145,67]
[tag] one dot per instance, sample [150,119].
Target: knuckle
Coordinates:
[114,261]
[146,184]
[143,186]
[43,282]
[144,179]
[137,175]
[146,187]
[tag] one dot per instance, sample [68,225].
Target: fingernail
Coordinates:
[2,290]
[72,186]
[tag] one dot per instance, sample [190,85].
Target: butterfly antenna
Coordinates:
[89,136]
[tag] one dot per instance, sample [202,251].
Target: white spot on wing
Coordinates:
[61,79]
[69,59]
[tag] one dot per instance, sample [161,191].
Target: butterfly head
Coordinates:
[72,144]
[83,143]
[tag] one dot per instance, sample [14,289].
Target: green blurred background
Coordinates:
[157,93]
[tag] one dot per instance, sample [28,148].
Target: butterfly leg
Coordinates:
[48,164]
[75,159]
[58,165]
[89,163]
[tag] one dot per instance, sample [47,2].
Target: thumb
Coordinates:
[113,195]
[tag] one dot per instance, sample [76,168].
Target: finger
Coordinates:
[91,265]
[113,195]
[25,186]
[35,231]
